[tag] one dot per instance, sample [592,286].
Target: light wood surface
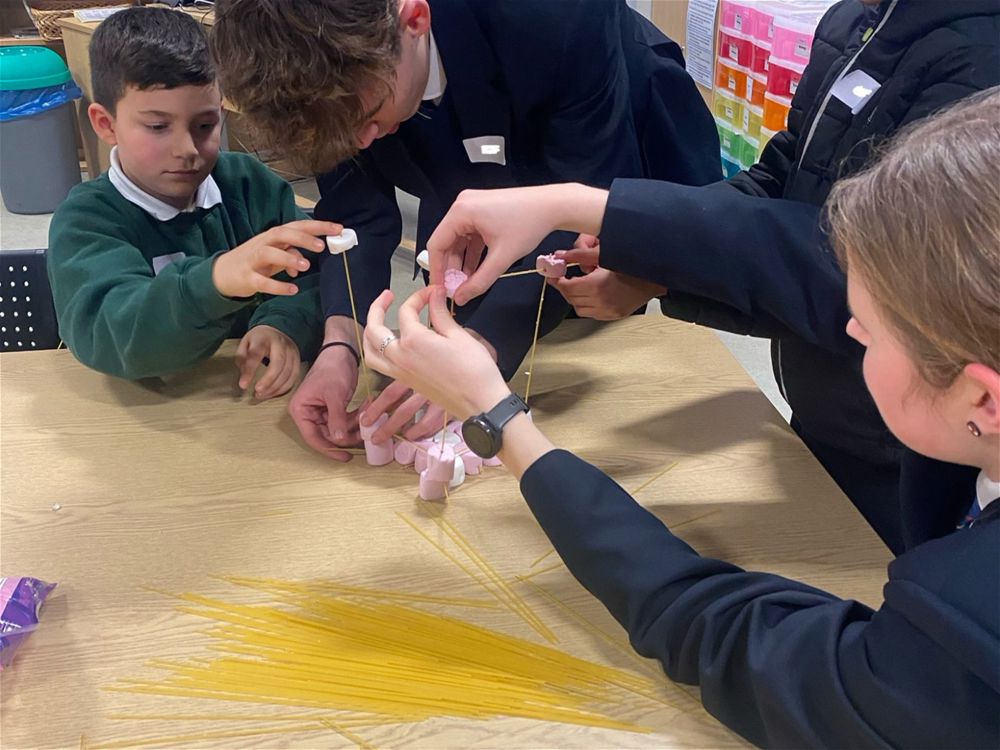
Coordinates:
[168,484]
[29,41]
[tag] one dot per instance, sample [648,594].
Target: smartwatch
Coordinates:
[482,433]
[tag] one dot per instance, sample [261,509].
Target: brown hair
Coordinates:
[921,227]
[296,69]
[147,48]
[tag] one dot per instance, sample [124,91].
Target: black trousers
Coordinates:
[873,487]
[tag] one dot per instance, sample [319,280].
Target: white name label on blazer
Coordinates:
[855,89]
[486,148]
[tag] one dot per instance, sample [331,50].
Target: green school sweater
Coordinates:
[117,316]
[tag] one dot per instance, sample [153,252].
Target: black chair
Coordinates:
[27,316]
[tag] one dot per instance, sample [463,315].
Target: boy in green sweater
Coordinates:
[173,250]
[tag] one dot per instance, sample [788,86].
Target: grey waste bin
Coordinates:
[38,157]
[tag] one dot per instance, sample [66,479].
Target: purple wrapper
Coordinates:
[20,601]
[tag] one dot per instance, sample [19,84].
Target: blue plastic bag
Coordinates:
[27,102]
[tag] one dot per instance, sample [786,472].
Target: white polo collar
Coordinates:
[208,193]
[436,79]
[987,490]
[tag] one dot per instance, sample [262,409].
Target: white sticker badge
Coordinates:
[855,89]
[486,148]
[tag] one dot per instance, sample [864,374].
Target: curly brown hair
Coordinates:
[296,69]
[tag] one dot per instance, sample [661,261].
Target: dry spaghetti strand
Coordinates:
[357,328]
[534,344]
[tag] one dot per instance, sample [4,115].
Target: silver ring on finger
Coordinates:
[385,343]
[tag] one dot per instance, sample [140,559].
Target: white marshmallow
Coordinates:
[459,474]
[340,243]
[424,260]
[450,438]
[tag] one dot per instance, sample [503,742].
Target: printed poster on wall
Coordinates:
[700,51]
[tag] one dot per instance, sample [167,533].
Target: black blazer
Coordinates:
[783,663]
[578,90]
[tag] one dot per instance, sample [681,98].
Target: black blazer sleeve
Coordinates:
[765,179]
[783,663]
[767,259]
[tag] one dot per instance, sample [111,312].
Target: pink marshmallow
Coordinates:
[453,279]
[405,452]
[455,426]
[367,432]
[550,266]
[420,460]
[431,489]
[441,463]
[378,455]
[492,461]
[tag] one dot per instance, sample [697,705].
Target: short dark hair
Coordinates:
[148,48]
[297,69]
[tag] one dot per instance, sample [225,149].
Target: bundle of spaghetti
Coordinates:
[644,664]
[494,583]
[396,662]
[290,587]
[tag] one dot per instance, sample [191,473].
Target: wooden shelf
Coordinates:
[30,41]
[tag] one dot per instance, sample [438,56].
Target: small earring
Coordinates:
[974,429]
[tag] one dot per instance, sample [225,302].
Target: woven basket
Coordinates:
[46,13]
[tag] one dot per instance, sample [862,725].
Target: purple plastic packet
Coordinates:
[20,601]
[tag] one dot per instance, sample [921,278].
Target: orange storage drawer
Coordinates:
[731,78]
[776,111]
[756,86]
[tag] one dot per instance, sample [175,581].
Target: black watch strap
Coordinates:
[505,411]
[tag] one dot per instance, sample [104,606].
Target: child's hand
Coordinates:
[248,268]
[282,366]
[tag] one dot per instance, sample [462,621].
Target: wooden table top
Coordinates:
[168,484]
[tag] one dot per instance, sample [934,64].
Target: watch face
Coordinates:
[478,435]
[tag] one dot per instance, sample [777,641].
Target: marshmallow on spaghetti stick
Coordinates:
[341,243]
[550,266]
[453,279]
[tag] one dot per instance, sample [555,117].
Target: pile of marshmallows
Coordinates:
[444,460]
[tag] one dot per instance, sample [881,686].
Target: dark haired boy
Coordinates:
[173,250]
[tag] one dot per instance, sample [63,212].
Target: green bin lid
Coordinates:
[31,68]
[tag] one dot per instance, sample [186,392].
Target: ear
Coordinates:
[414,17]
[103,123]
[985,410]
